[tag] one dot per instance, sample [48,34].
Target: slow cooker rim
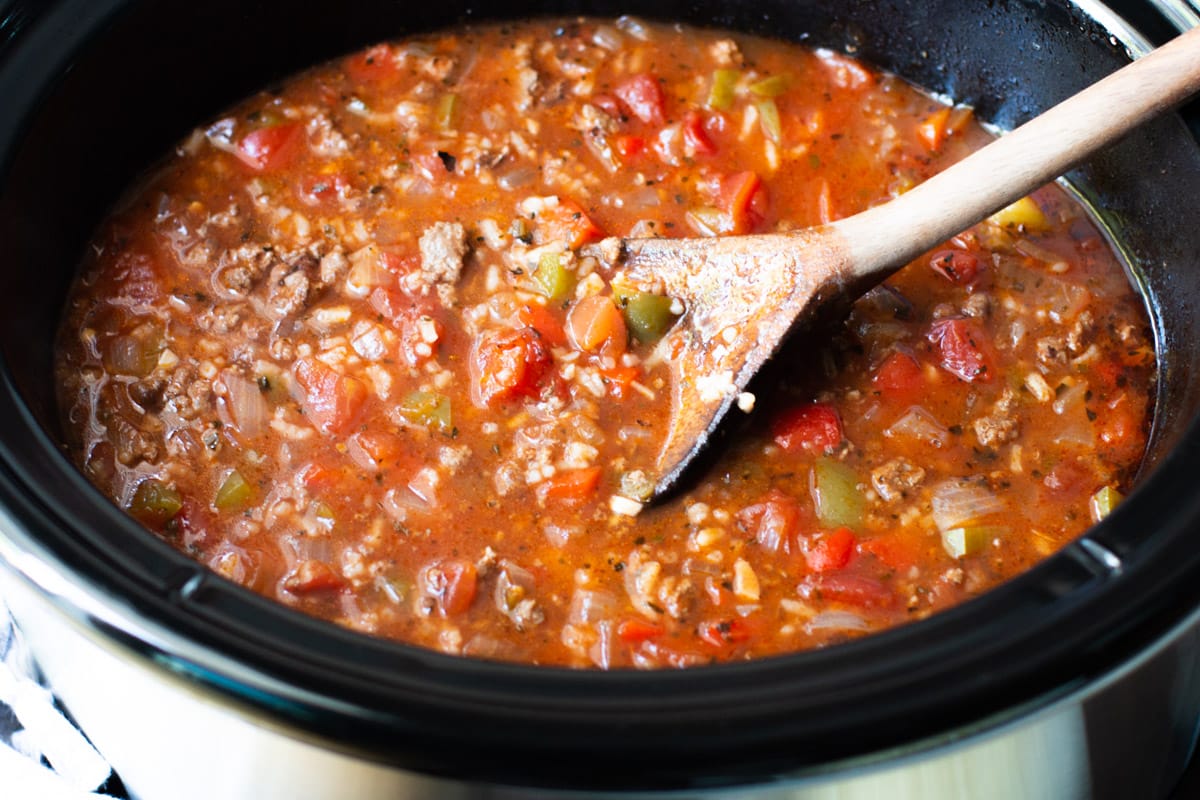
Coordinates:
[186,593]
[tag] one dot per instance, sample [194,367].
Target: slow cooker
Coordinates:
[1079,679]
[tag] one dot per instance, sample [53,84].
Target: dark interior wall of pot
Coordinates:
[154,70]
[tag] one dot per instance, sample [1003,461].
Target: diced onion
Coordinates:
[220,135]
[560,535]
[634,27]
[634,433]
[367,271]
[129,355]
[1036,251]
[698,566]
[837,620]
[135,353]
[233,562]
[881,334]
[492,120]
[512,585]
[1068,302]
[247,406]
[601,651]
[642,199]
[368,342]
[956,503]
[919,424]
[1017,332]
[1075,427]
[516,178]
[607,37]
[589,607]
[886,302]
[1070,397]
[398,503]
[360,455]
[424,485]
[394,590]
[312,548]
[481,646]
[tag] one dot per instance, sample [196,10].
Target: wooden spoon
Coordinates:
[743,295]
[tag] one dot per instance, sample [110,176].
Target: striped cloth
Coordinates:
[43,756]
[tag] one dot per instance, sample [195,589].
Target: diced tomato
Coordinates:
[629,147]
[374,450]
[136,280]
[1109,374]
[1121,432]
[270,148]
[508,365]
[316,477]
[373,65]
[320,188]
[332,401]
[571,486]
[391,305]
[415,319]
[695,136]
[451,583]
[403,264]
[832,551]
[643,97]
[311,577]
[546,324]
[725,632]
[636,630]
[963,349]
[190,526]
[932,130]
[596,324]
[568,223]
[743,197]
[812,427]
[620,380]
[773,520]
[899,377]
[957,266]
[843,587]
[415,327]
[897,552]
[1069,478]
[431,166]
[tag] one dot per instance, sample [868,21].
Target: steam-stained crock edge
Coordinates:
[1037,638]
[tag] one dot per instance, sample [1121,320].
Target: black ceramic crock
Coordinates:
[93,91]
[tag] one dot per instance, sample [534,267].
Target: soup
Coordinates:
[352,347]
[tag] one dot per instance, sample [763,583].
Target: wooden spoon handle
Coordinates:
[1028,157]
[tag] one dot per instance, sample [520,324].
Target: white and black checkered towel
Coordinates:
[43,756]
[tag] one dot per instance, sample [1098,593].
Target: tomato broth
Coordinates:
[350,346]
